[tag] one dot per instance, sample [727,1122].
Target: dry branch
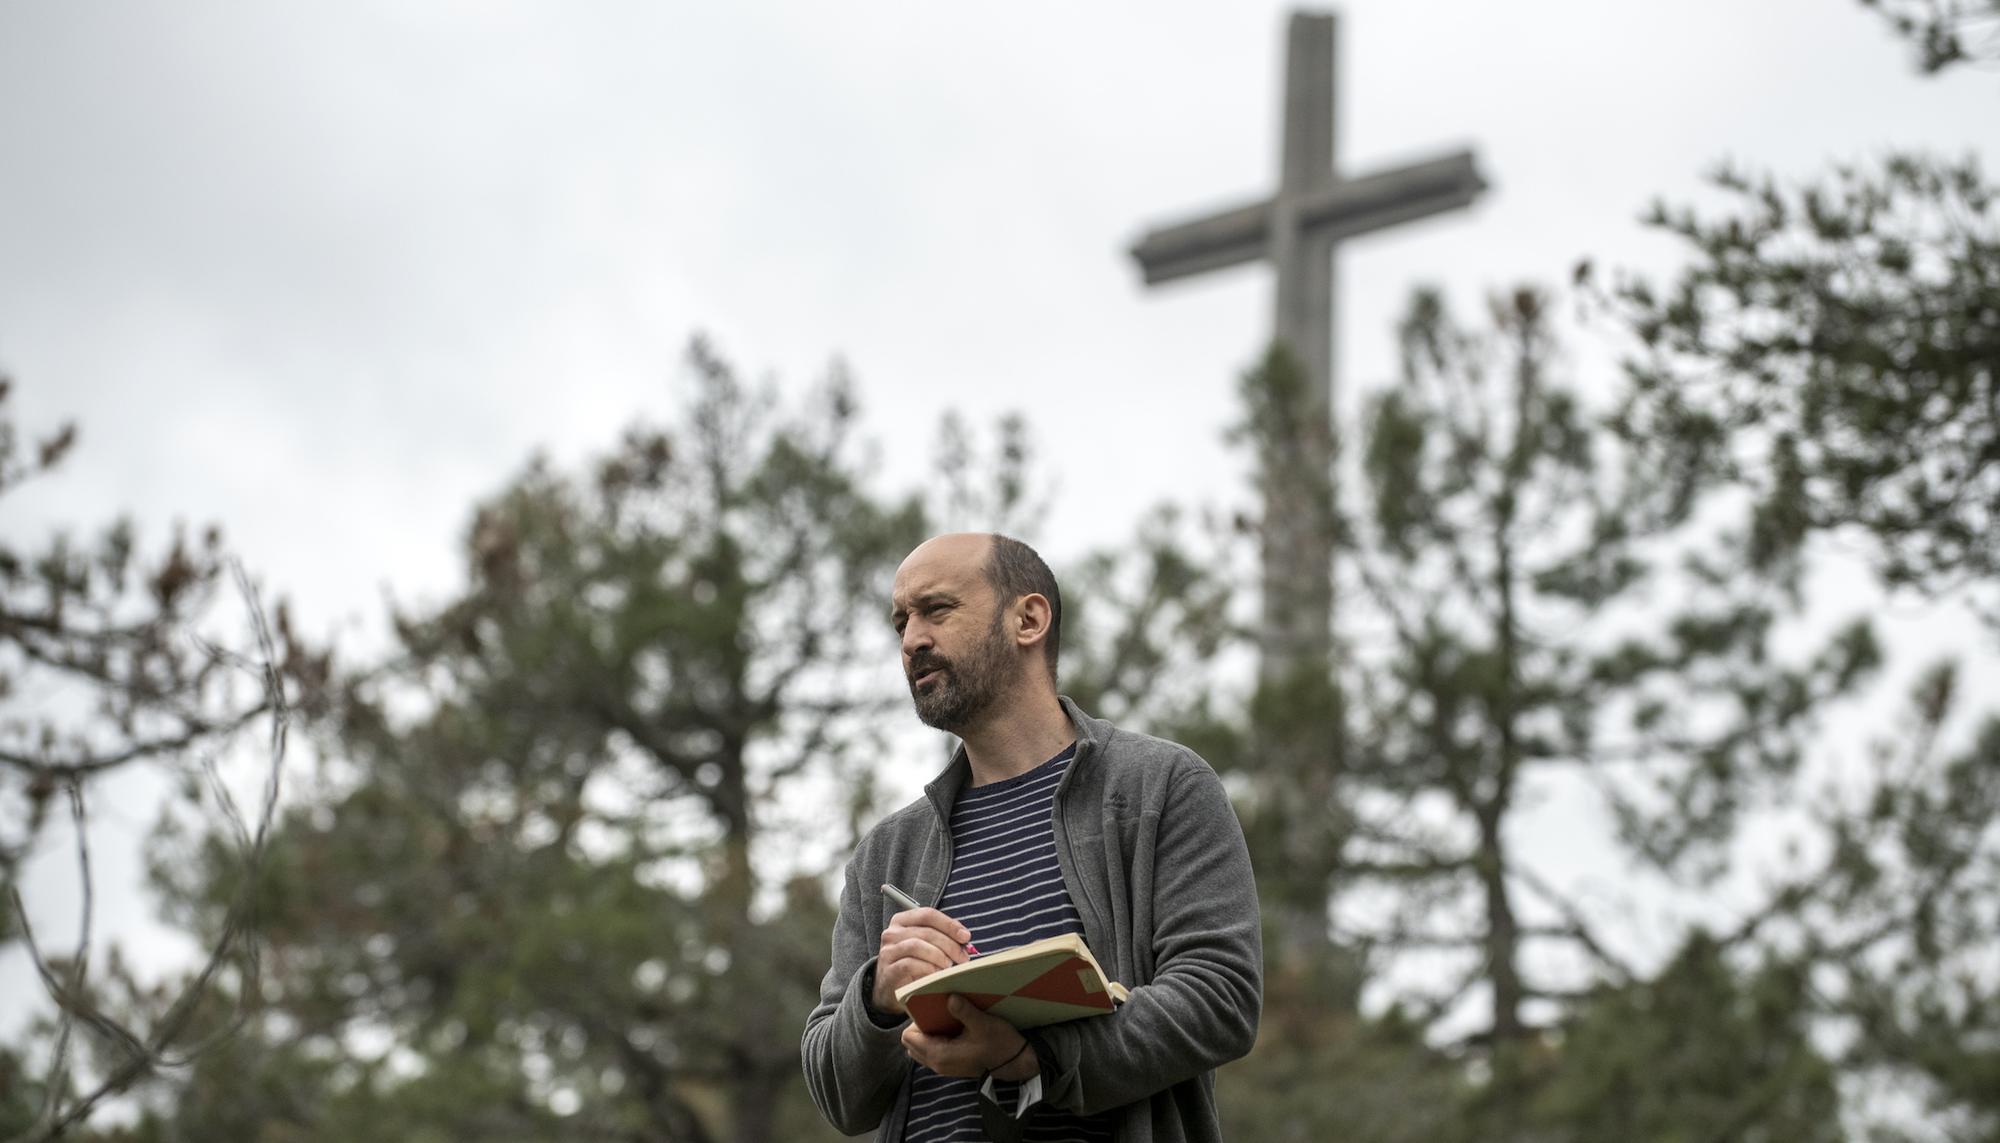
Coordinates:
[161,1048]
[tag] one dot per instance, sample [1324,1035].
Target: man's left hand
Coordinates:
[985,1044]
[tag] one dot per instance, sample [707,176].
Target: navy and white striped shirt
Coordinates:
[1007,887]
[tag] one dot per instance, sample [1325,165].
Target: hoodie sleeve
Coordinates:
[854,1065]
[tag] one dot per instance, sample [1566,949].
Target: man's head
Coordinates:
[980,617]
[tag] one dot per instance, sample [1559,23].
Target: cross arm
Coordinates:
[1344,209]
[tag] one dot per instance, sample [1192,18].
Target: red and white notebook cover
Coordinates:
[1045,982]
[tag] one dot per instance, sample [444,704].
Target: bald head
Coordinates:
[954,552]
[990,564]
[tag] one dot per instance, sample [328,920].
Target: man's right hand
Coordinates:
[917,942]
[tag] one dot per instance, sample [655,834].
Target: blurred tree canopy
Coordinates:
[1516,605]
[1530,623]
[1827,365]
[1945,32]
[1703,1050]
[561,873]
[1834,350]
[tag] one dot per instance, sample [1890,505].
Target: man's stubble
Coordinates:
[967,686]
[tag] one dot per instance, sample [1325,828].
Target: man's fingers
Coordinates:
[917,942]
[928,957]
[932,919]
[985,1042]
[952,951]
[977,1020]
[937,1053]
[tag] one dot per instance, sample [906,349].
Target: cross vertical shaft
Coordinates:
[1296,538]
[1303,259]
[1299,726]
[1298,229]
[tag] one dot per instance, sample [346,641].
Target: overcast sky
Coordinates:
[326,273]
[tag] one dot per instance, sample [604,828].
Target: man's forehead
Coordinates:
[944,565]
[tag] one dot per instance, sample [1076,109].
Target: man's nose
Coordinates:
[916,637]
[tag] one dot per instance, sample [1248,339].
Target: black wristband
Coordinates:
[988,1073]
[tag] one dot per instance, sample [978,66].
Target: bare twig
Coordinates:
[87,767]
[1575,927]
[142,1056]
[59,1065]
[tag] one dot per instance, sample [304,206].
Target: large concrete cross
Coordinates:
[1297,229]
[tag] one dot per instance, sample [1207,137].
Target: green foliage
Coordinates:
[563,873]
[1899,914]
[1945,32]
[987,488]
[21,1095]
[1143,623]
[1834,350]
[1511,577]
[1503,559]
[563,869]
[1701,1052]
[1292,443]
[1507,564]
[1321,1072]
[1293,742]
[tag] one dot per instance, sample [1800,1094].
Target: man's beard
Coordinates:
[965,688]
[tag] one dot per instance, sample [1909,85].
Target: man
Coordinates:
[1046,821]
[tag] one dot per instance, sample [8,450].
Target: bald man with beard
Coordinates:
[1046,821]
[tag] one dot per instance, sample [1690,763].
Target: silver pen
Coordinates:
[909,902]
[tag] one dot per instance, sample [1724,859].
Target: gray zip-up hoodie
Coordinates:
[1154,859]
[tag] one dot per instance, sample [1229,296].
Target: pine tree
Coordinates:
[1508,634]
[564,872]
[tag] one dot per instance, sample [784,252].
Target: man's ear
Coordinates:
[1031,619]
